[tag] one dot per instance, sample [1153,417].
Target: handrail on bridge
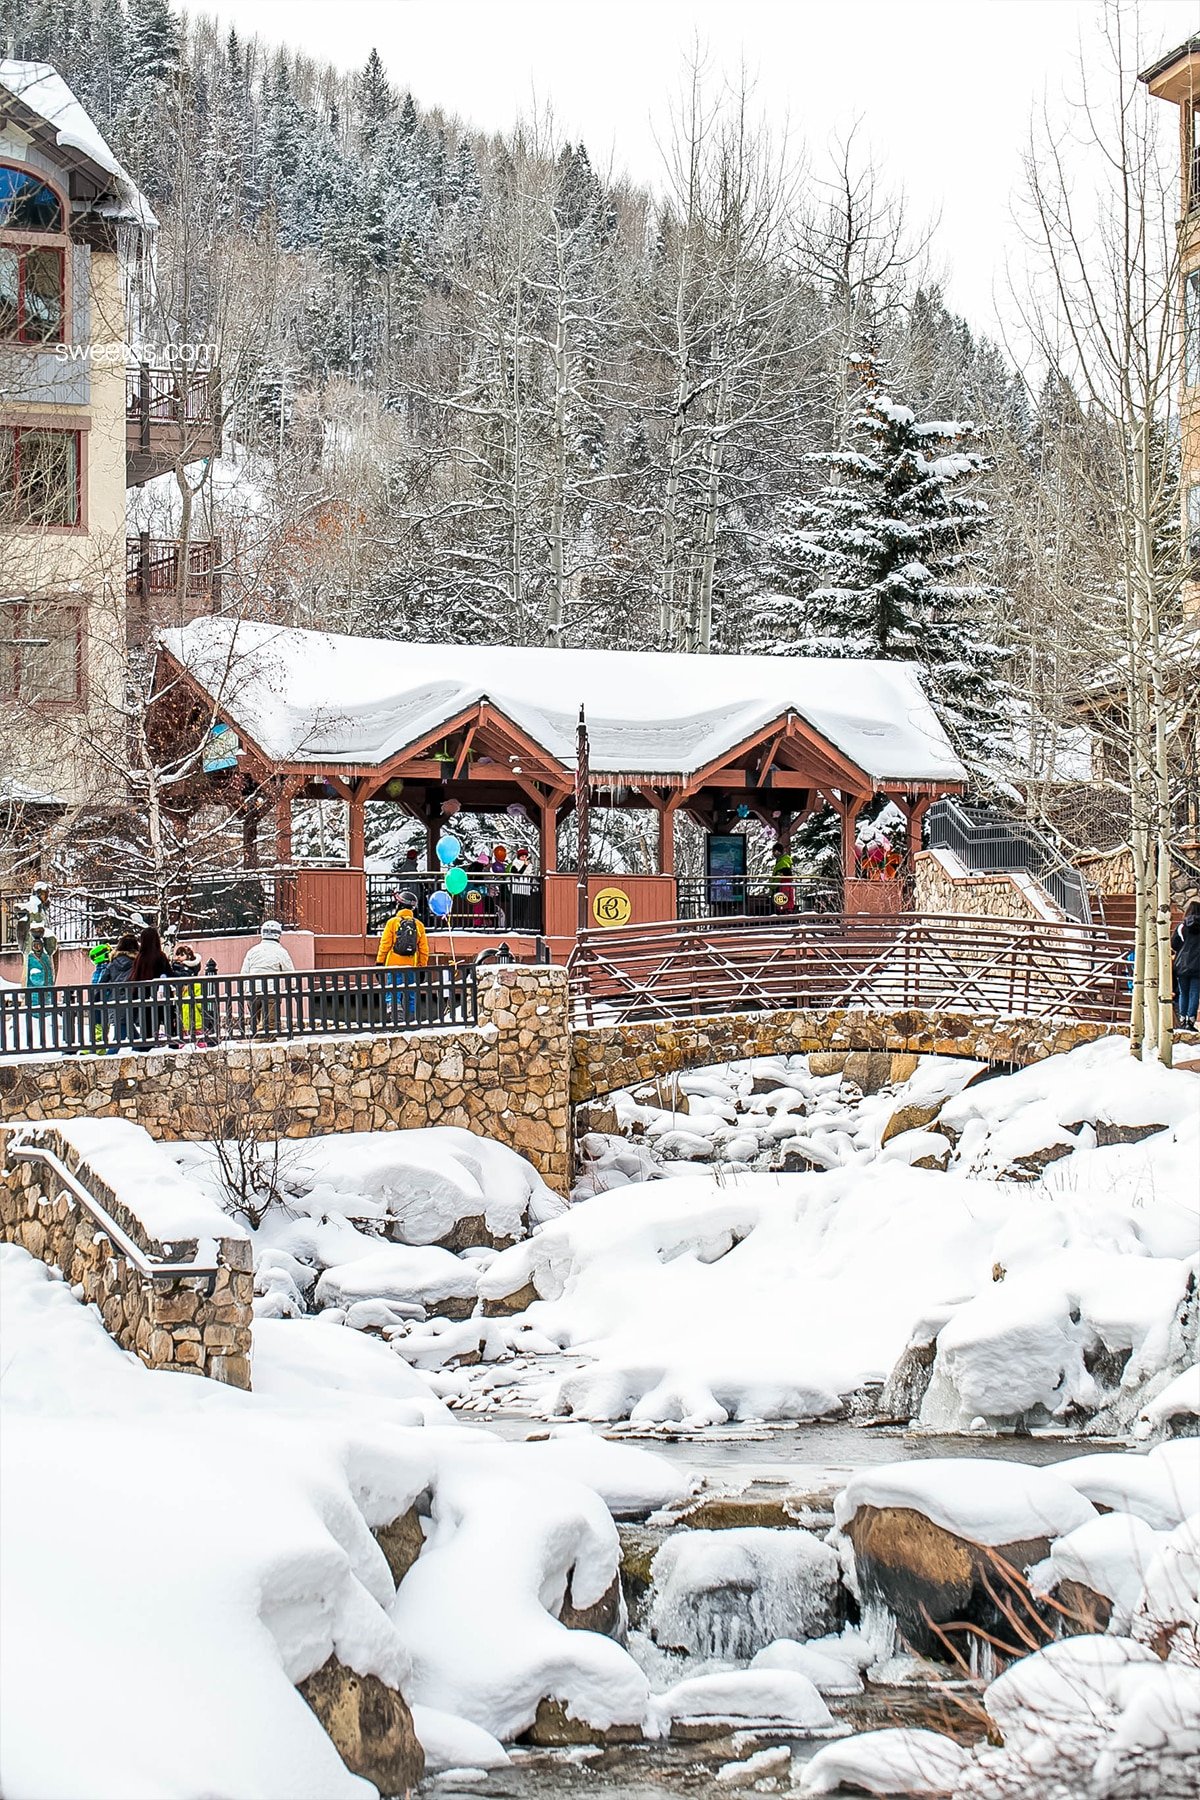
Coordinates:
[23,1147]
[991,968]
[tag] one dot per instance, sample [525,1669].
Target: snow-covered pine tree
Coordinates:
[883,561]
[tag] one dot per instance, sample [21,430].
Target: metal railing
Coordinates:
[990,968]
[750,896]
[182,1012]
[988,843]
[24,1147]
[210,906]
[490,903]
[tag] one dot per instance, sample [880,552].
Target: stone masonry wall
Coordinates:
[998,896]
[506,1077]
[607,1057]
[170,1325]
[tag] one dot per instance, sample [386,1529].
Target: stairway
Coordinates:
[989,842]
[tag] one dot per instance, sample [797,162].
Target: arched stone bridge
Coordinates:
[607,1057]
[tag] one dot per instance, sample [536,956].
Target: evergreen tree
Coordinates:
[890,543]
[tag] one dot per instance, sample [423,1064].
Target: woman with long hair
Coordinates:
[150,964]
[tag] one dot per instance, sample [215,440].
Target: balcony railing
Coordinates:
[168,583]
[211,906]
[490,903]
[171,416]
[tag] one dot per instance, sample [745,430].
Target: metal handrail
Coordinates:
[993,843]
[22,1149]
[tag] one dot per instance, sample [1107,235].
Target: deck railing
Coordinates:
[990,968]
[209,906]
[194,1011]
[490,902]
[750,896]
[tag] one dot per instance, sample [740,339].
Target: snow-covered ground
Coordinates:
[164,1537]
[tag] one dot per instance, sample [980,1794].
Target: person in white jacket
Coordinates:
[267,957]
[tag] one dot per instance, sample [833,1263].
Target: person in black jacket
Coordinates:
[1185,943]
[114,979]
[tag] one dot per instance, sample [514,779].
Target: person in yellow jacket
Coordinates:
[403,948]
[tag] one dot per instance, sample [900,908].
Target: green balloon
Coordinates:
[455,881]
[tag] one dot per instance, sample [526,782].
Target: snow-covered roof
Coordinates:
[42,89]
[306,696]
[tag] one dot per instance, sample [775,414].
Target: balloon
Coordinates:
[440,903]
[500,854]
[394,789]
[448,848]
[450,807]
[456,881]
[516,810]
[743,811]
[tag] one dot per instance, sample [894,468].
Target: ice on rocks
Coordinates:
[727,1594]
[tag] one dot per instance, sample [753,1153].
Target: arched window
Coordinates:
[33,273]
[27,204]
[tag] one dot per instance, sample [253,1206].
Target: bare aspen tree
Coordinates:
[1103,314]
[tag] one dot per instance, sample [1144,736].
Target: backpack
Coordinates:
[405,941]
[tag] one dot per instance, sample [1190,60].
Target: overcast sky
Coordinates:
[945,88]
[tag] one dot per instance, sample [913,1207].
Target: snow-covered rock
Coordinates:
[730,1593]
[895,1761]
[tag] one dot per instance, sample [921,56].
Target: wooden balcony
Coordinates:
[167,583]
[171,416]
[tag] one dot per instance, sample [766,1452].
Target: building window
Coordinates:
[32,294]
[41,653]
[1191,329]
[28,204]
[39,476]
[1193,531]
[33,273]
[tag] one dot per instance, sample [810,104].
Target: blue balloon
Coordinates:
[743,811]
[440,903]
[448,848]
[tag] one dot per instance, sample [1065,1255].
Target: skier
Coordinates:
[1185,944]
[404,948]
[267,957]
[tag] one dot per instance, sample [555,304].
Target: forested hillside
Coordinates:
[477,389]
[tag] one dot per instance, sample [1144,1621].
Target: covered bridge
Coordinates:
[435,728]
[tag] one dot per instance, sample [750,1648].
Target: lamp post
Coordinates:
[582,820]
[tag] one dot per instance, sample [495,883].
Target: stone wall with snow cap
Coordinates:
[504,1078]
[177,1325]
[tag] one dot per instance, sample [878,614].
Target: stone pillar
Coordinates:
[529,1105]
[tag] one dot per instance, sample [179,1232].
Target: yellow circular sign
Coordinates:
[612,906]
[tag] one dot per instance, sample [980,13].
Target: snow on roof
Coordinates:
[309,696]
[42,89]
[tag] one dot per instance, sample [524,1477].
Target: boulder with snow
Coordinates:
[945,1543]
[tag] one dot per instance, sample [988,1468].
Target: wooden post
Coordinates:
[547,838]
[666,838]
[283,825]
[358,829]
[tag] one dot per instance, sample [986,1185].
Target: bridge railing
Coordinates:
[990,968]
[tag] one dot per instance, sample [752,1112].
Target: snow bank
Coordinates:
[1167,1615]
[1161,1488]
[264,1563]
[896,1761]
[749,1697]
[833,1664]
[1111,1555]
[980,1498]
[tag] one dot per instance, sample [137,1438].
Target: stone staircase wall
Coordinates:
[176,1325]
